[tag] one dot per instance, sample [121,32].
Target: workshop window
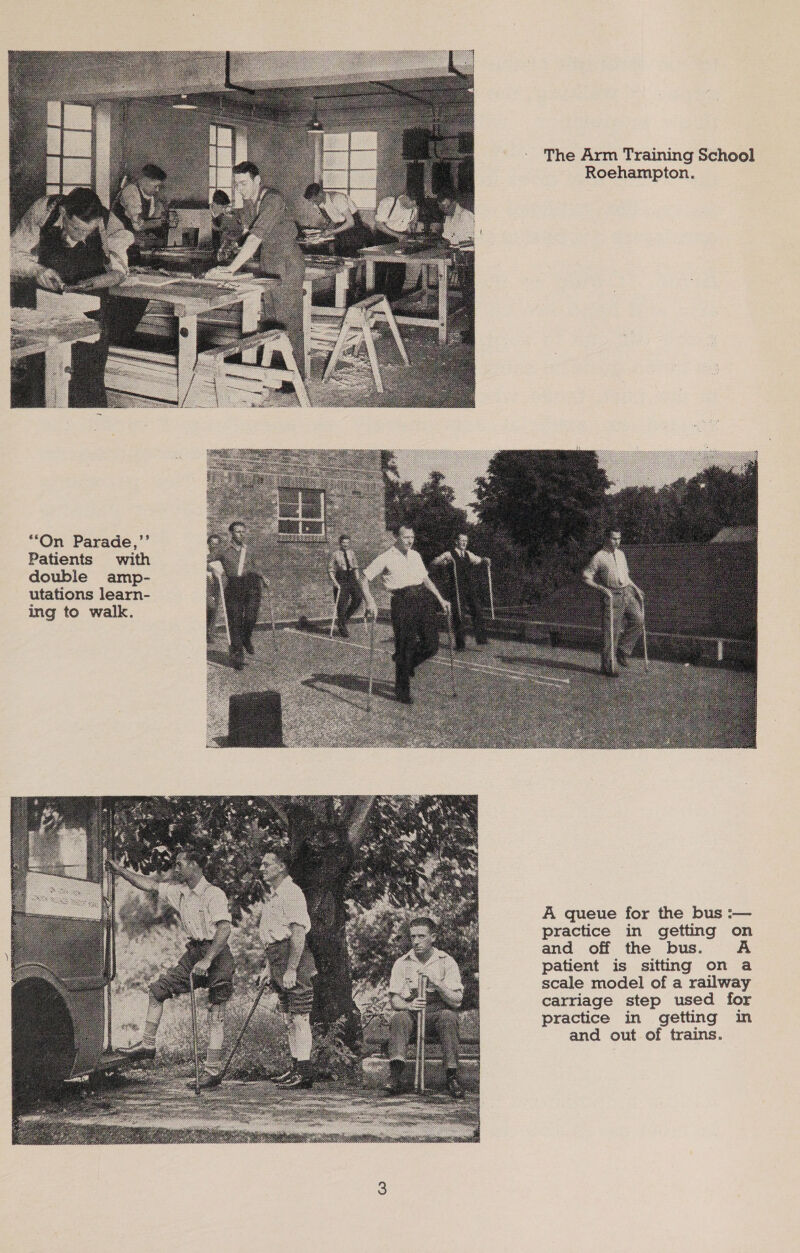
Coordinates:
[301,513]
[220,160]
[70,147]
[350,164]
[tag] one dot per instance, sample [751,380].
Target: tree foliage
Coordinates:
[430,511]
[687,511]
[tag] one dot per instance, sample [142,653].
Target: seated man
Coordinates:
[341,219]
[443,998]
[458,230]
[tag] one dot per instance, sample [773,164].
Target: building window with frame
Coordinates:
[70,147]
[350,164]
[220,160]
[301,513]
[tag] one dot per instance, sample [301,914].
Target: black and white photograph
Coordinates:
[233,969]
[257,229]
[508,599]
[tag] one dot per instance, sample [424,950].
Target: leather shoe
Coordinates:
[393,1088]
[405,698]
[207,1081]
[298,1081]
[454,1088]
[343,631]
[138,1053]
[282,1076]
[622,659]
[248,648]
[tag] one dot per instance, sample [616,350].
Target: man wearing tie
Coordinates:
[343,572]
[242,593]
[462,564]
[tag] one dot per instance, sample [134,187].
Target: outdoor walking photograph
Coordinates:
[232,969]
[506,599]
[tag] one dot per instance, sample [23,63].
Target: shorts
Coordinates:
[219,980]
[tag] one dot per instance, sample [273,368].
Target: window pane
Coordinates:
[362,178]
[53,139]
[78,170]
[364,199]
[334,161]
[363,160]
[68,187]
[58,837]
[224,163]
[53,189]
[334,181]
[288,504]
[312,528]
[288,528]
[53,170]
[312,504]
[78,117]
[212,134]
[54,113]
[335,142]
[224,137]
[364,139]
[78,143]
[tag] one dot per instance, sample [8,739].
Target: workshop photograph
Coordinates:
[257,229]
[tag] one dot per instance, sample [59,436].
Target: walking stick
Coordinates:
[613,651]
[218,577]
[111,939]
[419,1064]
[644,641]
[491,592]
[194,1034]
[272,616]
[336,608]
[454,693]
[458,598]
[262,989]
[371,659]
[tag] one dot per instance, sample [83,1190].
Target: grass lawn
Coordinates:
[510,695]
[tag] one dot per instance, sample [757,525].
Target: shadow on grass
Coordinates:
[542,664]
[220,658]
[350,683]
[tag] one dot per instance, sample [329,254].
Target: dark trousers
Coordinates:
[347,243]
[389,279]
[465,269]
[350,596]
[440,1023]
[416,632]
[628,623]
[242,601]
[283,301]
[469,604]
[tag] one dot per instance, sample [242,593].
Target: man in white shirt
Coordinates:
[413,607]
[607,573]
[443,997]
[340,218]
[206,921]
[395,220]
[458,230]
[289,967]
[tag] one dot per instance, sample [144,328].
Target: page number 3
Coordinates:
[382,1188]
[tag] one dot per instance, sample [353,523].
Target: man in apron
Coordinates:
[395,220]
[141,206]
[289,967]
[72,242]
[462,564]
[341,219]
[271,236]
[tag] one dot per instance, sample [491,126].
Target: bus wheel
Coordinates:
[43,1040]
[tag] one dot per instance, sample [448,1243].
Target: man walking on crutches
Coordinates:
[462,564]
[623,602]
[242,594]
[344,573]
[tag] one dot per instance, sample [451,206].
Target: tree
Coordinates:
[431,511]
[542,500]
[347,853]
[686,511]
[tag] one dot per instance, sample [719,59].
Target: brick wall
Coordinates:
[691,589]
[243,484]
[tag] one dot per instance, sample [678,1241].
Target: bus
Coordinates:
[63,956]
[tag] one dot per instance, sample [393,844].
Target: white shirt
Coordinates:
[406,970]
[397,570]
[392,214]
[200,907]
[284,906]
[459,226]
[338,205]
[25,240]
[609,569]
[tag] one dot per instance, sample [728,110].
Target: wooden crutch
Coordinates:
[218,577]
[261,990]
[194,1034]
[336,608]
[419,1066]
[644,639]
[613,651]
[458,597]
[371,660]
[272,616]
[491,592]
[449,616]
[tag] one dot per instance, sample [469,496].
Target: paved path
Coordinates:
[142,1107]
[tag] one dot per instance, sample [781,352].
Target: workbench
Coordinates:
[435,257]
[53,339]
[186,300]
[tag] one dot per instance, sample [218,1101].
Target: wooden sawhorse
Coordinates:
[356,329]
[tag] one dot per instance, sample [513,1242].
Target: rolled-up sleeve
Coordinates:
[216,903]
[451,981]
[397,979]
[590,570]
[24,261]
[375,568]
[116,242]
